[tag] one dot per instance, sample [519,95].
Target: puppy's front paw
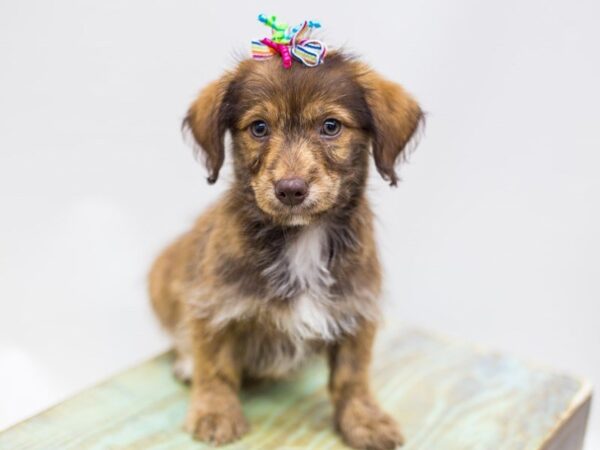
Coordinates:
[217,426]
[365,426]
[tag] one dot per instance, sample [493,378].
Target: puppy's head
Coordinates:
[301,136]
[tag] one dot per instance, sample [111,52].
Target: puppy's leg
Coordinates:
[215,413]
[361,422]
[183,367]
[165,282]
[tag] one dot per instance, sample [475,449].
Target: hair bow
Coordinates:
[290,43]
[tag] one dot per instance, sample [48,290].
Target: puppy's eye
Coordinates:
[331,127]
[259,128]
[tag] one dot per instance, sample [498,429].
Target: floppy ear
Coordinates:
[206,119]
[396,118]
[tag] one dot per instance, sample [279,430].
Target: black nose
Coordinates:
[291,191]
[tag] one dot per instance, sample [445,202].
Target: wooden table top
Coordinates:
[445,394]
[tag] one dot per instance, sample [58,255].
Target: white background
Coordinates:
[492,236]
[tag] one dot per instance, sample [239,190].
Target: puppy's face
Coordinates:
[301,136]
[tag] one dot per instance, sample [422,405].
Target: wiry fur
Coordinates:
[257,286]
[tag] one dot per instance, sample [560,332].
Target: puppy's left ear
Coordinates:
[396,118]
[207,120]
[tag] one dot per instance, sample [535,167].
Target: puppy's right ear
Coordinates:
[206,119]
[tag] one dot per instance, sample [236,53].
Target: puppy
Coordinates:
[285,266]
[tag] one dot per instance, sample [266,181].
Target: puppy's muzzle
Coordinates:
[291,191]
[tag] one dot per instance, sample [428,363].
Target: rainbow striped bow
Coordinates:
[290,43]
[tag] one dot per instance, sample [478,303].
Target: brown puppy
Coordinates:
[285,265]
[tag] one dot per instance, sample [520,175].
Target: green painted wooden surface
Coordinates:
[446,395]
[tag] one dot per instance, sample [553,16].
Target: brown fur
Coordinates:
[257,286]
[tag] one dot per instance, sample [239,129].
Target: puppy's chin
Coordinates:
[297,220]
[290,217]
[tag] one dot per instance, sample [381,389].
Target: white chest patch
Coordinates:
[307,262]
[304,279]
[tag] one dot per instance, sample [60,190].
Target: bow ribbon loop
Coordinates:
[290,43]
